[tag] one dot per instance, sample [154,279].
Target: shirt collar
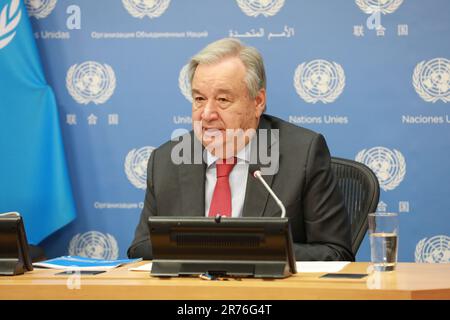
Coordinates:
[243,156]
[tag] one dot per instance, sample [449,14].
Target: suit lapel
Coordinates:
[192,186]
[256,196]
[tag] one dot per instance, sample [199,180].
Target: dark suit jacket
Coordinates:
[304,183]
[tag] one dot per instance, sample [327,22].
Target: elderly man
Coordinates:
[229,100]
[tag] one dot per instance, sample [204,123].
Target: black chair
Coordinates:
[361,191]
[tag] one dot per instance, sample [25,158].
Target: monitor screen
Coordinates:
[237,247]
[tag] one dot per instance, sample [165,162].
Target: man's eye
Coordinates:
[199,99]
[223,100]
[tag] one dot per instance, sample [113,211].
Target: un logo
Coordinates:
[254,8]
[431,80]
[40,8]
[94,244]
[136,166]
[433,250]
[9,19]
[91,82]
[389,166]
[319,80]
[184,84]
[374,6]
[142,8]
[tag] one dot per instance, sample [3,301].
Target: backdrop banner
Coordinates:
[373,76]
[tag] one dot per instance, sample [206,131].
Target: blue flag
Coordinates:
[34,179]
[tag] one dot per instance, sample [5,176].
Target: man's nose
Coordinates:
[210,112]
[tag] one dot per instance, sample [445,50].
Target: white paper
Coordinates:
[73,267]
[303,266]
[321,266]
[144,267]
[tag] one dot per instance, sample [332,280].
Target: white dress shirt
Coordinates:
[237,179]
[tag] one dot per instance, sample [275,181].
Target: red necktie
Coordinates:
[221,200]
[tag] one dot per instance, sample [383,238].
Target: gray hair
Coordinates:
[255,78]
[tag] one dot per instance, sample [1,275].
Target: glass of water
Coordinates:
[383,234]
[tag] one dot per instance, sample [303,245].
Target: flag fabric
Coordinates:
[34,178]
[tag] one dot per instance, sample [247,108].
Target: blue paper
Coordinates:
[77,262]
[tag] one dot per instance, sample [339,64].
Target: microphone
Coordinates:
[257,175]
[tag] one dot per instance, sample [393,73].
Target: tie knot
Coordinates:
[224,167]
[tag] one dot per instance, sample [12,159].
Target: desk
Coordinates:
[409,281]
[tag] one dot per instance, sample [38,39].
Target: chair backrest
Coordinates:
[361,191]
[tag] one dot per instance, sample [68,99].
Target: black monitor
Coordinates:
[14,253]
[233,247]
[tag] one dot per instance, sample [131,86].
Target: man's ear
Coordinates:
[260,103]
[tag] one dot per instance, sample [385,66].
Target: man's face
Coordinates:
[221,105]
